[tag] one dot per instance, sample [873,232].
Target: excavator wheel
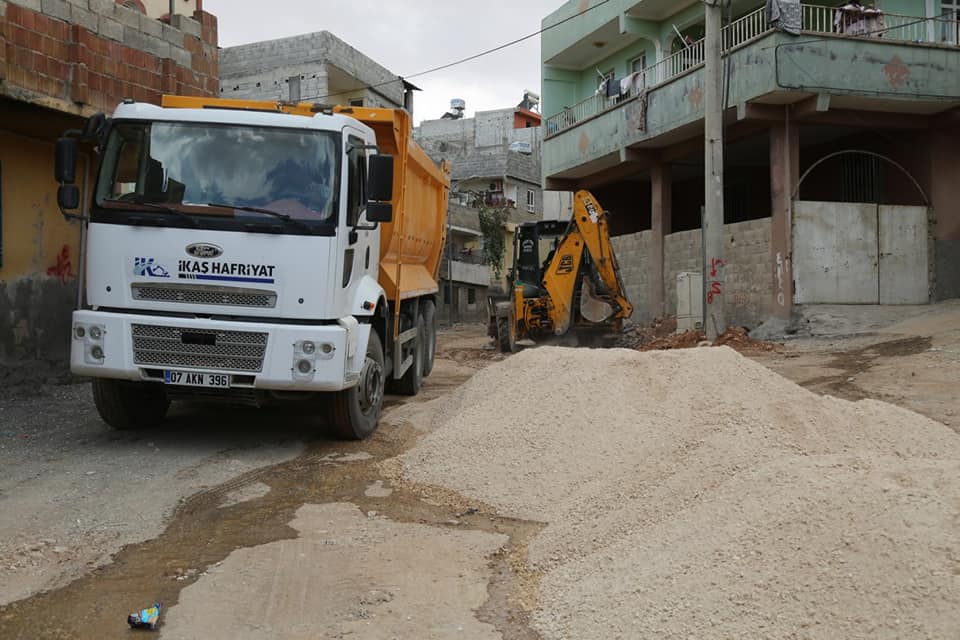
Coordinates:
[506,334]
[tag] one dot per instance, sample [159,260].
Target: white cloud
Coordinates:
[409,36]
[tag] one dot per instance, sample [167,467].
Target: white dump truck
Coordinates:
[253,251]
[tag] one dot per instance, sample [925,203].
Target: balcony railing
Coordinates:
[817,19]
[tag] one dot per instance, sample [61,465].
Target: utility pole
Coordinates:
[714,265]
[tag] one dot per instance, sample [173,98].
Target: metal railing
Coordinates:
[888,26]
[817,19]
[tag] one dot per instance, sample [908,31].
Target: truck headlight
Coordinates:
[308,348]
[304,366]
[95,332]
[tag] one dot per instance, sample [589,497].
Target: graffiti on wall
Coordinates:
[63,267]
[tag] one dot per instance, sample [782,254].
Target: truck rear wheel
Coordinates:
[409,384]
[430,337]
[354,412]
[130,405]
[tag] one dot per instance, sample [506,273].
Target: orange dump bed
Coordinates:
[411,246]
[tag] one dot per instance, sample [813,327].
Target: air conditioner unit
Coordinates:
[689,301]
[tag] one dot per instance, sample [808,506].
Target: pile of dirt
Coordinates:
[660,336]
[636,336]
[694,493]
[739,339]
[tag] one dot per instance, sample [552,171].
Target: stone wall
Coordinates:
[749,274]
[633,255]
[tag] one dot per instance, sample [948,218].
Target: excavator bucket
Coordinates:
[593,308]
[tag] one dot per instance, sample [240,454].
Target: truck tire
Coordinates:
[506,334]
[409,384]
[430,337]
[130,405]
[354,412]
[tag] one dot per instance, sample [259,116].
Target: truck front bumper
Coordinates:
[255,355]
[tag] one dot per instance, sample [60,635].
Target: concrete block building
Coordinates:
[495,163]
[314,67]
[841,154]
[59,63]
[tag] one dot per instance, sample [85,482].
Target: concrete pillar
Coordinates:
[784,176]
[661,212]
[944,194]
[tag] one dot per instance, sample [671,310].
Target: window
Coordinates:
[950,12]
[471,296]
[531,200]
[446,293]
[356,181]
[201,169]
[639,64]
[861,179]
[356,102]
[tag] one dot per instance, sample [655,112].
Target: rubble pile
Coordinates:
[660,335]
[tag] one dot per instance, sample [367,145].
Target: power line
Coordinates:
[476,55]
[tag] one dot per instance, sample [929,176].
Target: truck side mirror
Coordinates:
[379,212]
[65,163]
[68,197]
[94,126]
[380,179]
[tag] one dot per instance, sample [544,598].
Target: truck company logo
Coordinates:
[149,267]
[566,264]
[226,271]
[204,251]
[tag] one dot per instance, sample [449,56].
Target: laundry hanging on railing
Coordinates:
[785,15]
[633,83]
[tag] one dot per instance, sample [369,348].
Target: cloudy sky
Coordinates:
[409,36]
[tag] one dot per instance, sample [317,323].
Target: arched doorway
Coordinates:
[856,243]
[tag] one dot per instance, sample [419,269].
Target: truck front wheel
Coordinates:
[130,405]
[354,412]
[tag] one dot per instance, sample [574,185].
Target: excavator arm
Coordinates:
[588,234]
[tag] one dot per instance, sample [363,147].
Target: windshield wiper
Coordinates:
[159,207]
[269,212]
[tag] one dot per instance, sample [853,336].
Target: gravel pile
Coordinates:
[697,494]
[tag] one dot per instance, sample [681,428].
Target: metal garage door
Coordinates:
[854,253]
[904,265]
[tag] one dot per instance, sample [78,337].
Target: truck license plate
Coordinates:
[193,379]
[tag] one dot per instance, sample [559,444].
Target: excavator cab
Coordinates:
[577,287]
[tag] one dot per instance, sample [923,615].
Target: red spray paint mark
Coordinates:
[716,287]
[63,268]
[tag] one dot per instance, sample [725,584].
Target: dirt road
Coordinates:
[253,524]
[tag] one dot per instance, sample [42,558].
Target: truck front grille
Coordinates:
[200,294]
[173,347]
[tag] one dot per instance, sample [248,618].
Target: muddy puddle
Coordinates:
[203,532]
[856,361]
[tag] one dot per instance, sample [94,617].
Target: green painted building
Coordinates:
[859,109]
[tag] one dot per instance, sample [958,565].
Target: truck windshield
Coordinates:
[215,173]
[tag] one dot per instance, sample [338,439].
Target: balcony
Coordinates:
[914,61]
[466,267]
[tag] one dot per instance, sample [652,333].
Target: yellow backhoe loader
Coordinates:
[576,289]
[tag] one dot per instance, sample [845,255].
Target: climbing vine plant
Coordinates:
[491,226]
